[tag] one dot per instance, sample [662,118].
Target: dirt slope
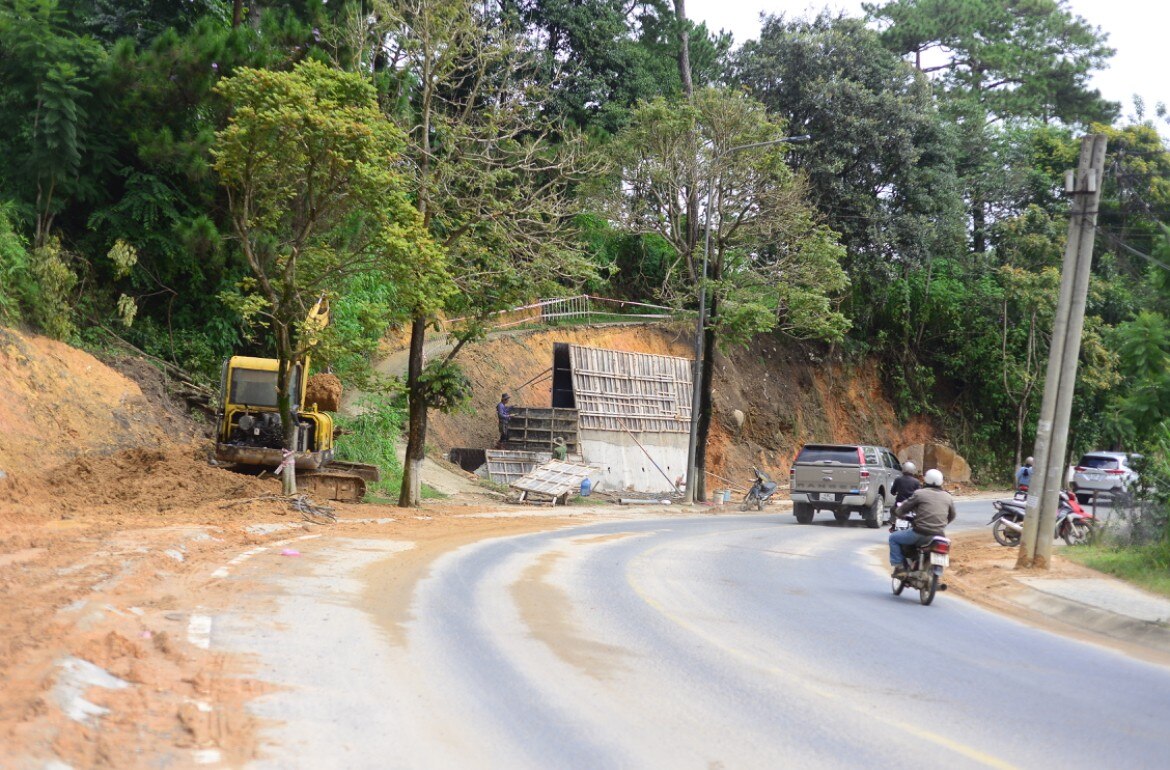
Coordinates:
[788,396]
[57,402]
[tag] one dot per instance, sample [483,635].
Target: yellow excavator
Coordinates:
[249,434]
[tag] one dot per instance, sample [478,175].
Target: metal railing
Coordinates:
[583,308]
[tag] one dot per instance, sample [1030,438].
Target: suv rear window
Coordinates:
[1098,462]
[841,455]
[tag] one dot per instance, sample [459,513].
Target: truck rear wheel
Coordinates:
[873,516]
[804,513]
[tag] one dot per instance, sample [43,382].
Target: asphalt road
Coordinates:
[684,642]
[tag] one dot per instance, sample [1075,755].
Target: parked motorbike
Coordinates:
[761,492]
[926,564]
[1073,523]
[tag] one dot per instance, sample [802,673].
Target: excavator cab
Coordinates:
[249,428]
[249,432]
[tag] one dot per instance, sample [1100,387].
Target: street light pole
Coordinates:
[701,324]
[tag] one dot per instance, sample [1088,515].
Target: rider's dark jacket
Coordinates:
[904,486]
[934,509]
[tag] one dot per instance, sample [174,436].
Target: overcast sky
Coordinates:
[1138,29]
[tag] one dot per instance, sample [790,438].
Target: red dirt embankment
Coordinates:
[789,396]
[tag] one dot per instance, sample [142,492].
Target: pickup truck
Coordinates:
[843,478]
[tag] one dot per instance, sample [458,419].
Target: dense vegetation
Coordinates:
[171,170]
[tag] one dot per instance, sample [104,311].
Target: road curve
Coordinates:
[686,642]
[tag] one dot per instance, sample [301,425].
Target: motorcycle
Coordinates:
[926,564]
[1073,523]
[761,492]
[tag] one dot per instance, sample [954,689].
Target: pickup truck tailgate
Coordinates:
[826,477]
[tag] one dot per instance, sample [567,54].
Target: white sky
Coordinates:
[1137,29]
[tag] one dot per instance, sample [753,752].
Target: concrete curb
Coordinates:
[1153,634]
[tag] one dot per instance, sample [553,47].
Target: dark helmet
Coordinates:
[504,397]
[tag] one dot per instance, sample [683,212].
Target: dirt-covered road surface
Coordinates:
[240,635]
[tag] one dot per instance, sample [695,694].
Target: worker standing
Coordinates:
[560,451]
[504,415]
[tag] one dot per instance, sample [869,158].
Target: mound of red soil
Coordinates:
[57,402]
[324,390]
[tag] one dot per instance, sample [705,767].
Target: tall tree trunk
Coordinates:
[978,225]
[288,423]
[684,48]
[237,13]
[684,73]
[705,381]
[411,493]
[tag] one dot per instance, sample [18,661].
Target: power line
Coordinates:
[1118,242]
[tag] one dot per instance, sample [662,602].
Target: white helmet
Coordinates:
[910,468]
[933,478]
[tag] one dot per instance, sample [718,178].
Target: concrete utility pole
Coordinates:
[701,326]
[1056,408]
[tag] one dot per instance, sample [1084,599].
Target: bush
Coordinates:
[372,436]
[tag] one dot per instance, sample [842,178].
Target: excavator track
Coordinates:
[341,485]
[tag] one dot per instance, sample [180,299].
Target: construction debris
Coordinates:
[552,482]
[312,512]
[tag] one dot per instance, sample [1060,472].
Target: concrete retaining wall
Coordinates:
[623,467]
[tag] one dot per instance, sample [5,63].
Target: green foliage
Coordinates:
[371,436]
[1020,59]
[50,304]
[445,386]
[773,267]
[16,287]
[1147,566]
[621,54]
[880,166]
[309,164]
[47,76]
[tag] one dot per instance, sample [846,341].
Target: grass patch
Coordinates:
[1147,566]
[372,437]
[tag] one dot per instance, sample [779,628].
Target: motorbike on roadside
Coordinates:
[761,492]
[1073,524]
[926,562]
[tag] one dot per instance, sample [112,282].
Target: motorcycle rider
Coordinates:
[933,510]
[906,484]
[1024,474]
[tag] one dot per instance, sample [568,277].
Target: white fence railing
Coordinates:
[582,308]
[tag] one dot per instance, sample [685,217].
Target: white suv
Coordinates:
[1105,473]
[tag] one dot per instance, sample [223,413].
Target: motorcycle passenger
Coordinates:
[906,484]
[1024,475]
[933,510]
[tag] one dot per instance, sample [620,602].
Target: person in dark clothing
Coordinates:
[906,484]
[933,510]
[504,415]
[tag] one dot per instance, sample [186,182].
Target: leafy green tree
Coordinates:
[996,63]
[771,265]
[493,177]
[607,55]
[143,20]
[309,165]
[46,88]
[880,165]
